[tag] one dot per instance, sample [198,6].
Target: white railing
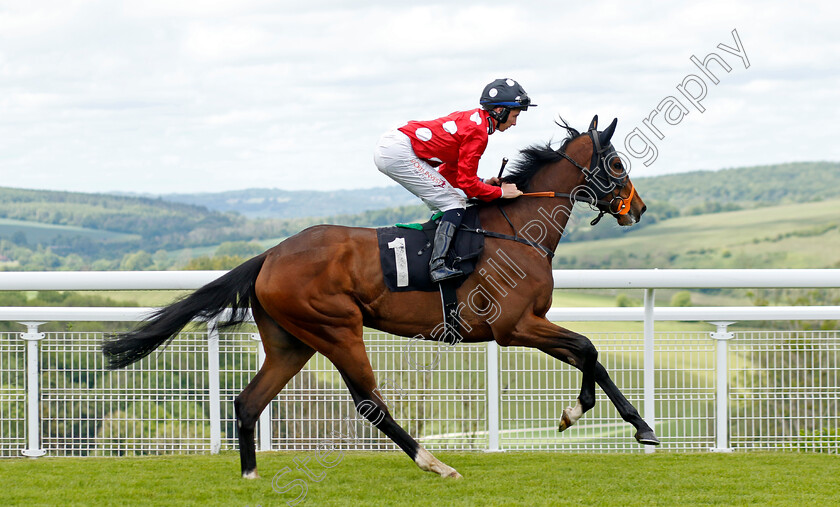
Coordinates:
[771,390]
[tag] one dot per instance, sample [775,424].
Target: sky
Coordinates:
[165,96]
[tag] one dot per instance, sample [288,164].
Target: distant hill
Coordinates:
[132,223]
[39,226]
[276,203]
[746,187]
[147,217]
[40,229]
[694,192]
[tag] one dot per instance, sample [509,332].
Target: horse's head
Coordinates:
[595,174]
[606,184]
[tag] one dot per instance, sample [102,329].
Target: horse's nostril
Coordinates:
[644,208]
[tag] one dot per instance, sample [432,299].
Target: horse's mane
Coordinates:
[534,157]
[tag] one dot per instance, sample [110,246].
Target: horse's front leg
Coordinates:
[569,347]
[644,433]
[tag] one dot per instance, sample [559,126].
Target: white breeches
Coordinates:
[395,157]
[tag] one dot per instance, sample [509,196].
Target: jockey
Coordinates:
[433,158]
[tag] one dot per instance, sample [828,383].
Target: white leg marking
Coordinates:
[429,463]
[251,475]
[571,415]
[575,412]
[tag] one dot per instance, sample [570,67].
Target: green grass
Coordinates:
[516,478]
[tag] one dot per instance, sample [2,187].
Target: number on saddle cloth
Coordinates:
[405,252]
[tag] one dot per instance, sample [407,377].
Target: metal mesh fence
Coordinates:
[685,391]
[785,391]
[12,394]
[536,388]
[784,394]
[436,392]
[158,405]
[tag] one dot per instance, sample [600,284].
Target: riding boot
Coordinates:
[438,268]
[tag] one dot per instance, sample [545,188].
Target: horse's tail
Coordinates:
[234,289]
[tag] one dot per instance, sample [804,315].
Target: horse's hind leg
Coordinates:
[285,355]
[353,364]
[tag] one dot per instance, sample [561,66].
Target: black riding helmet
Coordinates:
[505,93]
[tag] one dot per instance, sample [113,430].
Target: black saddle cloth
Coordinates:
[404,253]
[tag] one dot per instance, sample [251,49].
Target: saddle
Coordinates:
[405,252]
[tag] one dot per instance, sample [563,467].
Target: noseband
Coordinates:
[605,180]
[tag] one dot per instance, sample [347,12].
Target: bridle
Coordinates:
[602,191]
[603,188]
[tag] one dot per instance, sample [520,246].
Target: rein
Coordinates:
[623,207]
[499,235]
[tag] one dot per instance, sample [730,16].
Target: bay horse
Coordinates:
[316,290]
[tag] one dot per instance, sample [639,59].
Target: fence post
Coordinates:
[493,401]
[722,337]
[649,365]
[264,439]
[33,389]
[214,387]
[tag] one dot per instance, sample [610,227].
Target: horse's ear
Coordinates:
[594,124]
[606,135]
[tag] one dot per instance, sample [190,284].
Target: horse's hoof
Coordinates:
[647,437]
[565,422]
[454,475]
[252,474]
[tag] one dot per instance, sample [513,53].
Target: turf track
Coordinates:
[525,478]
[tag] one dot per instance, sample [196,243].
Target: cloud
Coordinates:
[168,96]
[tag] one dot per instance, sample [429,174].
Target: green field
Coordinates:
[143,297]
[390,478]
[208,251]
[45,233]
[790,236]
